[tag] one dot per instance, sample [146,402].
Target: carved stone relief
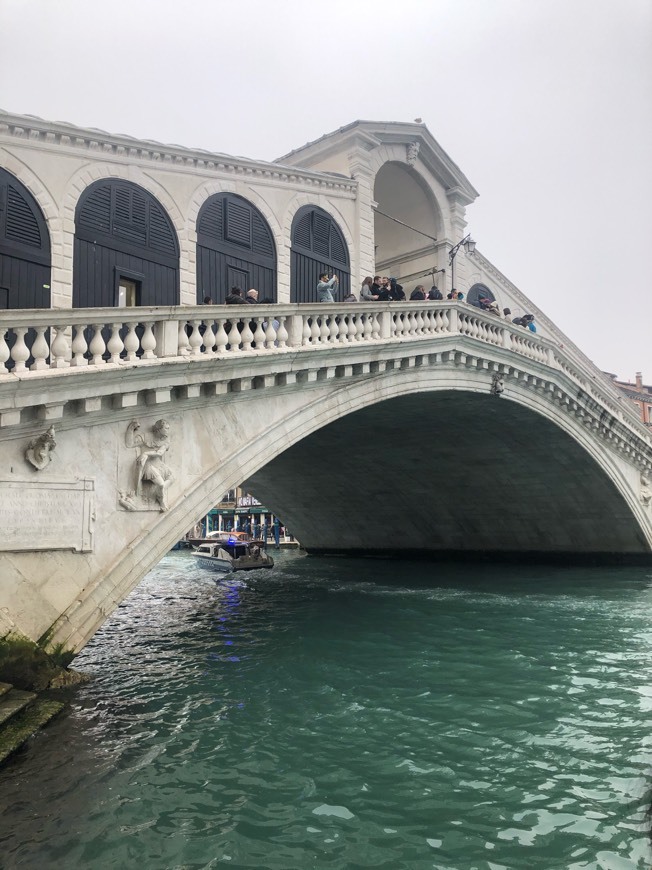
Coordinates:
[151,475]
[40,450]
[412,152]
[497,384]
[646,491]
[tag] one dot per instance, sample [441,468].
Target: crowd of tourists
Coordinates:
[383,289]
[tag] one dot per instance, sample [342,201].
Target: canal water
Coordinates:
[344,714]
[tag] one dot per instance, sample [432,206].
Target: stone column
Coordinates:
[363,261]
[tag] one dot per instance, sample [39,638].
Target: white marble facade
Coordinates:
[354,174]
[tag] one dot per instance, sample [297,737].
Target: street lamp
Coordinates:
[469,246]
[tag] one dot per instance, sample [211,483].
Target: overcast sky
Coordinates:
[545,105]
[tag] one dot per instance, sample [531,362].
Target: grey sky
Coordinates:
[546,106]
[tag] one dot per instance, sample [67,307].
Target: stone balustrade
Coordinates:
[36,343]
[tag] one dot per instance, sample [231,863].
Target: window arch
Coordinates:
[24,247]
[124,238]
[318,246]
[235,247]
[476,291]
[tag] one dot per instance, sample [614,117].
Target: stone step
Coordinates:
[4,688]
[26,723]
[12,702]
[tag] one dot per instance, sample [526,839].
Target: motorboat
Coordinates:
[214,537]
[233,554]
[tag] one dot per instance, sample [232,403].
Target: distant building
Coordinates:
[639,393]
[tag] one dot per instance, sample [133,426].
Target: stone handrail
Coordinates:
[36,342]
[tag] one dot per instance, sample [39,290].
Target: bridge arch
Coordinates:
[476,473]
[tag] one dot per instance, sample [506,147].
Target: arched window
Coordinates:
[475,292]
[235,247]
[126,249]
[317,246]
[24,247]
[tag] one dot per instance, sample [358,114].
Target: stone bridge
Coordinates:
[425,427]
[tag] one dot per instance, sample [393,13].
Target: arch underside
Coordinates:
[448,473]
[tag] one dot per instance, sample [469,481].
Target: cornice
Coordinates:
[28,130]
[431,154]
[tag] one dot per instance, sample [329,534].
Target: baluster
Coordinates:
[439,322]
[259,334]
[4,351]
[79,346]
[60,349]
[221,336]
[367,327]
[183,346]
[234,334]
[306,332]
[20,351]
[328,330]
[445,321]
[314,331]
[40,350]
[131,343]
[282,333]
[342,329]
[270,334]
[97,346]
[209,337]
[148,341]
[115,345]
[358,325]
[421,323]
[247,336]
[375,326]
[196,340]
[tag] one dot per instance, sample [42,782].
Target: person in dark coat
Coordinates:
[434,294]
[418,294]
[396,293]
[235,297]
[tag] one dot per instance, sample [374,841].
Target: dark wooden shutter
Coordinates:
[301,235]
[24,247]
[122,230]
[338,246]
[321,232]
[238,223]
[211,219]
[262,237]
[235,245]
[96,209]
[21,225]
[161,234]
[317,246]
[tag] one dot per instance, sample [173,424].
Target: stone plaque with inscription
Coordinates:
[47,516]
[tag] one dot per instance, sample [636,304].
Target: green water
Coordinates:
[345,714]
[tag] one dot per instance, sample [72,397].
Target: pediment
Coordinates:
[365,136]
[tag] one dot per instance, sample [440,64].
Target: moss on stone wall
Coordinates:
[26,665]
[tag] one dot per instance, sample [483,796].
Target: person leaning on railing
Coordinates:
[368,290]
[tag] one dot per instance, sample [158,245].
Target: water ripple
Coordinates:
[333,714]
